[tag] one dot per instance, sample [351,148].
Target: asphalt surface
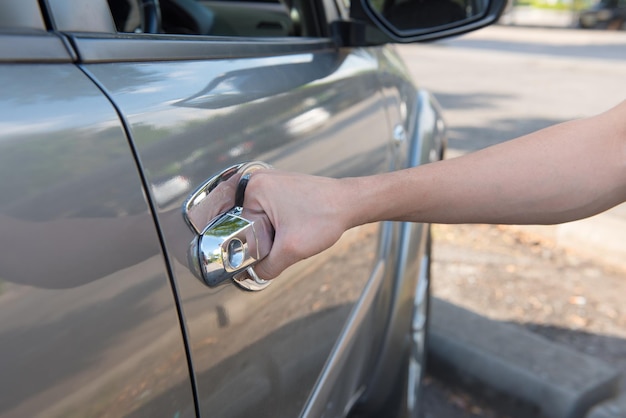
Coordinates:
[496,84]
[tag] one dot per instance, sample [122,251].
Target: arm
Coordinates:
[562,173]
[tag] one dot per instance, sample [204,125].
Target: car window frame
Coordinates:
[107,45]
[101,48]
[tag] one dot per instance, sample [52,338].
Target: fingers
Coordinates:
[302,211]
[260,197]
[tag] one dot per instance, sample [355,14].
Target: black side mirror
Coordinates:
[423,20]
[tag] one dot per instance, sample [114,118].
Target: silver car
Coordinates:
[127,283]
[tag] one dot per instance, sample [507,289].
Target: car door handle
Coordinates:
[229,239]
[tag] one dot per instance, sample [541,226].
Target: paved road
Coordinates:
[502,82]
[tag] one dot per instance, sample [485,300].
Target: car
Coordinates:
[604,14]
[127,284]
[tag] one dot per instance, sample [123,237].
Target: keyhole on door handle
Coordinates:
[231,241]
[235,253]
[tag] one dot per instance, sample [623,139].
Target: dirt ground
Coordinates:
[509,275]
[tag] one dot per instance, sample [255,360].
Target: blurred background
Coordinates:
[545,62]
[587,14]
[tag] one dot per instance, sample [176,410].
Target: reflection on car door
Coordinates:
[88,322]
[300,105]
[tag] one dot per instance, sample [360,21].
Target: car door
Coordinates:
[88,321]
[196,104]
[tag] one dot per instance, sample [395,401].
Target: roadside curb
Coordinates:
[612,408]
[561,382]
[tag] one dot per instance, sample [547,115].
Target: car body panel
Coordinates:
[318,112]
[106,135]
[87,315]
[418,114]
[38,47]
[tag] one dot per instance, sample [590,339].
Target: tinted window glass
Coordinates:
[257,18]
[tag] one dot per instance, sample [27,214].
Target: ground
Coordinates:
[511,275]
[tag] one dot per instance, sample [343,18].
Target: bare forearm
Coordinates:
[562,173]
[565,172]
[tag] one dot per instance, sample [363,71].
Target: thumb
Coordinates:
[267,269]
[271,266]
[281,256]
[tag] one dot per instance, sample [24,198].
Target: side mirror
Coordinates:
[422,20]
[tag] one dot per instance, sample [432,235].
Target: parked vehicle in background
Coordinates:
[123,122]
[604,14]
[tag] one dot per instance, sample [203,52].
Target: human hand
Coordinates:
[309,214]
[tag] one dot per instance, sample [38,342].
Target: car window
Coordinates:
[256,18]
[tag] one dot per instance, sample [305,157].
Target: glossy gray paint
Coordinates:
[312,343]
[320,111]
[39,47]
[87,318]
[420,113]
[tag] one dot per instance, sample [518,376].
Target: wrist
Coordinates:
[357,205]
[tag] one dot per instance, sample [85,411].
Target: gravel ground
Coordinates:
[510,275]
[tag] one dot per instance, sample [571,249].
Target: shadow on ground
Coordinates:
[607,51]
[607,348]
[466,138]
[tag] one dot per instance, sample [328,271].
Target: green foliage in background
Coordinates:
[555,4]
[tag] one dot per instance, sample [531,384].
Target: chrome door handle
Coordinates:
[230,240]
